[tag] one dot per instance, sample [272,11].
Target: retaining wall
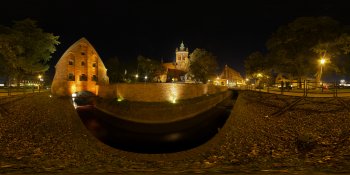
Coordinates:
[157,92]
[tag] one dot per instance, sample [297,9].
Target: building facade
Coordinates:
[229,77]
[79,69]
[178,69]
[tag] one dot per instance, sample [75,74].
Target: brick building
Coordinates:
[79,69]
[229,77]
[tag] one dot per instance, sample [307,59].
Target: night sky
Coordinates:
[229,29]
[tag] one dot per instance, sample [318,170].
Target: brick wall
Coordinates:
[157,92]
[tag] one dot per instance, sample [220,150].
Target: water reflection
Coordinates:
[153,138]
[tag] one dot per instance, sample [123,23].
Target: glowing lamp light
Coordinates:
[73,89]
[137,75]
[74,95]
[259,75]
[146,77]
[173,94]
[120,99]
[322,61]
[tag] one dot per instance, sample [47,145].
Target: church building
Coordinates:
[178,69]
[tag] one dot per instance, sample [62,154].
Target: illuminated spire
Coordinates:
[182,46]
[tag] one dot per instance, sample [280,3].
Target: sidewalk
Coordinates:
[4,93]
[310,93]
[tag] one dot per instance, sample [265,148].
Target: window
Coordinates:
[83,77]
[94,78]
[83,63]
[82,53]
[93,64]
[71,62]
[71,77]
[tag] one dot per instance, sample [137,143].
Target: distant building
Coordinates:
[79,69]
[228,77]
[177,70]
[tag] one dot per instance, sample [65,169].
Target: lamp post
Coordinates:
[322,62]
[40,78]
[136,77]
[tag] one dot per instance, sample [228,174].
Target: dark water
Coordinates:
[154,138]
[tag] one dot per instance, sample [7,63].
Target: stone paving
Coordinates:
[266,133]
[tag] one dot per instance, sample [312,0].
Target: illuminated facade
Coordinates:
[182,61]
[229,77]
[177,70]
[79,69]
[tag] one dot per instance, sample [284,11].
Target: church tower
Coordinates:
[182,61]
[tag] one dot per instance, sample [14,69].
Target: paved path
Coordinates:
[301,93]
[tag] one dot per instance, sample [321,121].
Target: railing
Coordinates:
[305,88]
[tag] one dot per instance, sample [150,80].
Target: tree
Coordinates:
[25,49]
[255,63]
[115,70]
[296,48]
[258,67]
[202,64]
[150,68]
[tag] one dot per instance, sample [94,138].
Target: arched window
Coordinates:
[94,78]
[83,63]
[71,62]
[83,77]
[71,77]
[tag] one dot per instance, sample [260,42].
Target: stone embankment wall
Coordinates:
[145,112]
[157,92]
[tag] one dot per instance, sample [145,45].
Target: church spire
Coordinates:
[182,46]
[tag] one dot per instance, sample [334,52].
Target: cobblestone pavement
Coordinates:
[266,133]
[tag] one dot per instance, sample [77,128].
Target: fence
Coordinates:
[9,91]
[305,88]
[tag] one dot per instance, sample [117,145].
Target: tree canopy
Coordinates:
[203,64]
[25,49]
[115,70]
[255,63]
[296,48]
[150,68]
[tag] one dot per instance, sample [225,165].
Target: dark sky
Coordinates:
[231,29]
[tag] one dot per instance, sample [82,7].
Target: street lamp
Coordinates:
[40,81]
[322,62]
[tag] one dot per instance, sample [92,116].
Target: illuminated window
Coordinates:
[83,77]
[71,62]
[83,63]
[94,78]
[71,77]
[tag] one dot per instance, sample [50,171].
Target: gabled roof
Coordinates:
[81,40]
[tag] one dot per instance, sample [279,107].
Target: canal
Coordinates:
[154,138]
